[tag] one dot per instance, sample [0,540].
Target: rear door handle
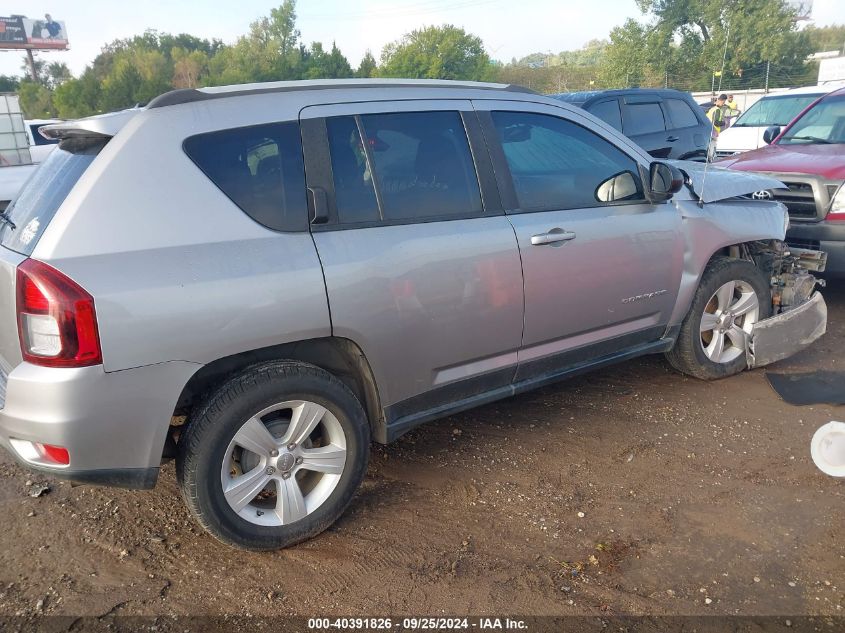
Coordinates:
[552,237]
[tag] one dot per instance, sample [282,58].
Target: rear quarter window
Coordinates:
[44,192]
[260,169]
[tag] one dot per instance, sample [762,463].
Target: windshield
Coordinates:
[824,123]
[774,111]
[44,192]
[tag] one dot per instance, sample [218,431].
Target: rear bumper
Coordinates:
[781,336]
[823,236]
[113,424]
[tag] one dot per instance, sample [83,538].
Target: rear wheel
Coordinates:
[713,342]
[274,456]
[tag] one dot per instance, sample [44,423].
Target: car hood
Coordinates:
[819,159]
[720,183]
[740,139]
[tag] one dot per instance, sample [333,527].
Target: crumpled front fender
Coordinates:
[785,334]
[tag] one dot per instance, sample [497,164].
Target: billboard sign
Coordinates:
[46,33]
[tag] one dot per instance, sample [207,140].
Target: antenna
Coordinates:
[712,121]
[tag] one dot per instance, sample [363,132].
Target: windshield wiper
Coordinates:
[7,221]
[815,139]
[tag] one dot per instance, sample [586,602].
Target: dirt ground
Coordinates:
[633,490]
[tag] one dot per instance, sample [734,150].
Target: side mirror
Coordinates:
[664,181]
[618,187]
[771,133]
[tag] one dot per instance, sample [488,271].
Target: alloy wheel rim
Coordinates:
[283,463]
[727,321]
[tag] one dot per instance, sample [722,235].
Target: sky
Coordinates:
[509,29]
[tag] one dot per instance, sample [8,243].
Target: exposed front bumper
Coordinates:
[113,424]
[785,334]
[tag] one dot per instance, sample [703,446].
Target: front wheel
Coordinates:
[274,456]
[713,342]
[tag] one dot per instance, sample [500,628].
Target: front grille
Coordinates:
[799,199]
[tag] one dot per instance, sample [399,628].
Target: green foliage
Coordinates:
[9,83]
[826,38]
[368,66]
[436,52]
[699,37]
[36,100]
[679,43]
[321,65]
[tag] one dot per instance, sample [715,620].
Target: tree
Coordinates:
[367,67]
[269,52]
[624,61]
[188,67]
[826,38]
[699,37]
[321,65]
[36,100]
[436,52]
[9,83]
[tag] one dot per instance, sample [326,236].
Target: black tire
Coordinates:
[217,419]
[688,356]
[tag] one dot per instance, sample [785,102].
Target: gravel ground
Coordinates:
[633,490]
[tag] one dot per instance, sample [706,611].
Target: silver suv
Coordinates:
[257,280]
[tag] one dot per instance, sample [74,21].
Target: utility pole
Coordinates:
[30,61]
[768,64]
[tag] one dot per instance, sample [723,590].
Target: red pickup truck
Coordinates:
[808,156]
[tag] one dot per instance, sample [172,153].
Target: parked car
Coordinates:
[746,132]
[39,146]
[666,123]
[808,155]
[304,266]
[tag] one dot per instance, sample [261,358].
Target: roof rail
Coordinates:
[189,95]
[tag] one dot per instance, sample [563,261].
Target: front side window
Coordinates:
[774,111]
[260,169]
[556,164]
[823,124]
[643,118]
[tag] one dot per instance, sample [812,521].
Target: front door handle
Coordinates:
[671,139]
[552,237]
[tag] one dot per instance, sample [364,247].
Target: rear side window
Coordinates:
[355,194]
[608,111]
[44,192]
[643,118]
[420,163]
[680,113]
[260,169]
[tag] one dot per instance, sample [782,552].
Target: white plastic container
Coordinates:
[828,449]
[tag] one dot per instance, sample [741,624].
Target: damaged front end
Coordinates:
[799,313]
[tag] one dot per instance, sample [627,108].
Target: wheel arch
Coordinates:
[339,356]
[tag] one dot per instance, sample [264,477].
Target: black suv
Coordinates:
[666,123]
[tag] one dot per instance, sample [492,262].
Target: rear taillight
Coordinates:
[56,318]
